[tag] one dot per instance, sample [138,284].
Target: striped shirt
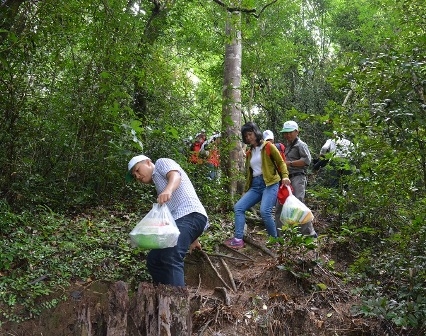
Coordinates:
[184,199]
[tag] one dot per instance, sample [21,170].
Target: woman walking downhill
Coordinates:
[262,182]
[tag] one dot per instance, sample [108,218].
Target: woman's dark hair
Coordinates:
[251,127]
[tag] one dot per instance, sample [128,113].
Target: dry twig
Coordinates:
[230,276]
[239,253]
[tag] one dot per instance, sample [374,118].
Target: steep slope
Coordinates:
[252,291]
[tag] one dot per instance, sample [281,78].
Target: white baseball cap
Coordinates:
[290,126]
[268,135]
[131,164]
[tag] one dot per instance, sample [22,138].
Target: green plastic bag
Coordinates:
[157,230]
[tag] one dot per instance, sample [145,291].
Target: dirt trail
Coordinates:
[249,292]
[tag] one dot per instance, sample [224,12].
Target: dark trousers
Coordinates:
[166,266]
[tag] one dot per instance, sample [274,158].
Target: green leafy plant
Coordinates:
[291,248]
[52,251]
[398,293]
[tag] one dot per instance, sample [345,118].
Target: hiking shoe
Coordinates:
[234,243]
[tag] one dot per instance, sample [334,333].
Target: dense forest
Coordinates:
[85,85]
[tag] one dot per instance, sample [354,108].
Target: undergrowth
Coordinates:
[44,251]
[394,278]
[387,236]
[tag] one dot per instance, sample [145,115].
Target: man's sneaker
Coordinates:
[234,243]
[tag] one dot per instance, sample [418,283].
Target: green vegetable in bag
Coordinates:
[294,211]
[156,230]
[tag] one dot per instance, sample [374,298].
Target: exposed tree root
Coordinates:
[222,292]
[229,257]
[215,270]
[205,326]
[250,241]
[239,253]
[230,276]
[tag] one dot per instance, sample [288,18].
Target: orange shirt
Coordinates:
[194,156]
[214,157]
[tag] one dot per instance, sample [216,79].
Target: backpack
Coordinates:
[281,149]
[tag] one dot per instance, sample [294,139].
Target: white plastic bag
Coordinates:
[294,211]
[156,230]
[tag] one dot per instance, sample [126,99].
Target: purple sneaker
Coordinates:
[234,243]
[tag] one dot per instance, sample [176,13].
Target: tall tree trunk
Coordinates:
[233,160]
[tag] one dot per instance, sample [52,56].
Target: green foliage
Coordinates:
[67,140]
[86,85]
[47,251]
[43,250]
[7,217]
[359,26]
[291,239]
[398,293]
[382,212]
[291,248]
[219,230]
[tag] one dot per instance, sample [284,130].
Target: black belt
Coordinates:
[296,174]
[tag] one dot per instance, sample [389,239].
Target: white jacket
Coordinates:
[341,147]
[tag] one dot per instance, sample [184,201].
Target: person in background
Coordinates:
[194,156]
[262,181]
[269,136]
[210,150]
[298,158]
[336,152]
[166,266]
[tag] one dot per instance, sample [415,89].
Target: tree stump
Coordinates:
[174,316]
[118,306]
[144,311]
[152,311]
